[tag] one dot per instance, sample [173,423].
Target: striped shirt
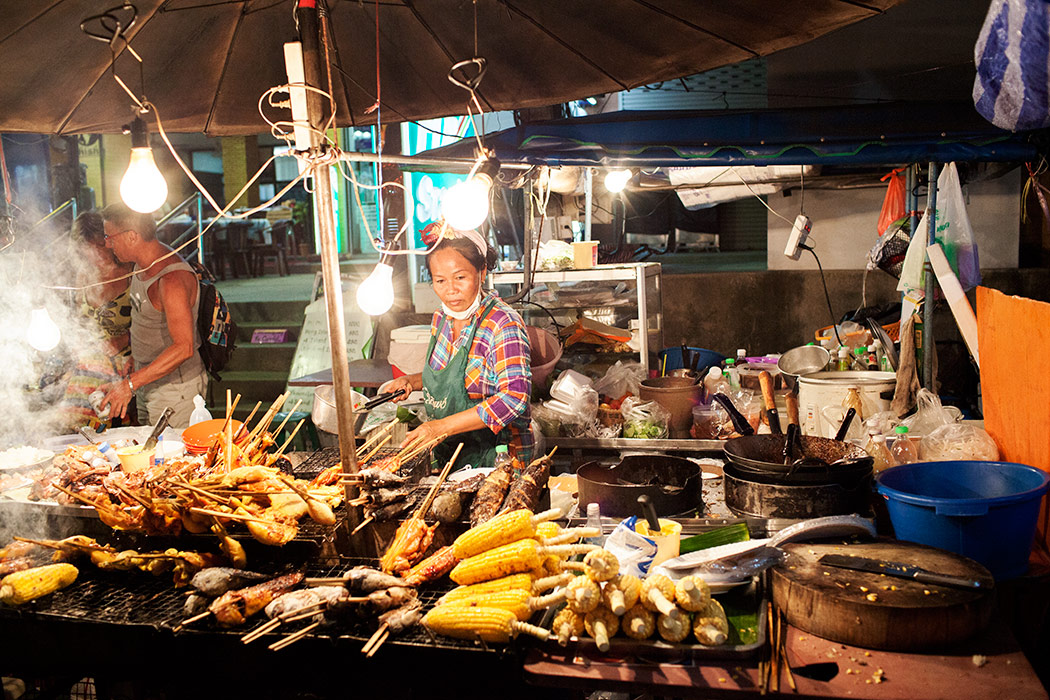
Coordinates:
[498,369]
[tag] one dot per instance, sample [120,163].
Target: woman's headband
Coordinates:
[437,230]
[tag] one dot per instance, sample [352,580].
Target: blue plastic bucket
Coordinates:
[708,358]
[983,510]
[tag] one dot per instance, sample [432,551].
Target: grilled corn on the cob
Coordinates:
[692,593]
[601,624]
[567,624]
[658,594]
[519,601]
[639,623]
[30,584]
[673,628]
[528,582]
[489,624]
[621,593]
[601,565]
[710,624]
[512,558]
[508,527]
[582,594]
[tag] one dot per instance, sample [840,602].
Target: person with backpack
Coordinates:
[167,367]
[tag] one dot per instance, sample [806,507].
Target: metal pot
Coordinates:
[323,413]
[672,484]
[676,394]
[802,360]
[760,458]
[748,497]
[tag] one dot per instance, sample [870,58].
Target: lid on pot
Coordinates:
[851,378]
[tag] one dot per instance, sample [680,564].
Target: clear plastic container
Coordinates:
[904,450]
[705,422]
[200,412]
[568,385]
[876,447]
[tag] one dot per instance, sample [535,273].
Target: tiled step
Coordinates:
[268,357]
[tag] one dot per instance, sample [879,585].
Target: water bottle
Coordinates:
[903,450]
[843,363]
[108,452]
[594,519]
[502,456]
[158,454]
[200,412]
[732,374]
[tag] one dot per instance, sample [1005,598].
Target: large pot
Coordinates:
[323,412]
[821,395]
[676,394]
[672,484]
[749,497]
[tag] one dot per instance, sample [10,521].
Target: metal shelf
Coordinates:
[626,271]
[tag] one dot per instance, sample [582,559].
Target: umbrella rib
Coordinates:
[863,6]
[225,66]
[565,45]
[697,27]
[433,35]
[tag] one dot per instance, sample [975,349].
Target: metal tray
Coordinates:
[743,644]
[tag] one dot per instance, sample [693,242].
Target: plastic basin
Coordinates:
[708,358]
[983,510]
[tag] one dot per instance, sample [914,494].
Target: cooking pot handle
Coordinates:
[962,509]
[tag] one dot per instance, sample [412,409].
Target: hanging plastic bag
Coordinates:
[929,414]
[912,270]
[1011,54]
[893,205]
[954,232]
[634,552]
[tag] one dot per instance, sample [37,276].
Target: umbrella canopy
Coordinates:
[206,62]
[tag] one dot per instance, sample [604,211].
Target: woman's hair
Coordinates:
[466,248]
[89,228]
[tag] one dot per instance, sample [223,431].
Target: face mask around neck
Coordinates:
[466,313]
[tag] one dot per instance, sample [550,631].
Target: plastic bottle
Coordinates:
[200,412]
[108,452]
[872,358]
[843,363]
[502,456]
[158,454]
[884,360]
[903,450]
[741,358]
[859,359]
[876,447]
[715,383]
[732,374]
[594,519]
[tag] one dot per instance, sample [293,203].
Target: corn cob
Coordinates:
[673,628]
[503,529]
[519,601]
[601,565]
[568,535]
[601,624]
[582,594]
[526,582]
[567,624]
[639,623]
[692,593]
[710,624]
[621,593]
[515,557]
[545,531]
[30,584]
[657,594]
[489,624]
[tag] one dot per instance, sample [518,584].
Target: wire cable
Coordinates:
[827,297]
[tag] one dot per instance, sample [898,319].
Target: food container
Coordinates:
[134,458]
[821,397]
[568,386]
[677,395]
[705,422]
[584,254]
[200,436]
[667,540]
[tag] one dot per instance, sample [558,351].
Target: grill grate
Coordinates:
[417,467]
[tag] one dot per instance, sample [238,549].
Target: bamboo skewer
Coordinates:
[244,425]
[77,496]
[191,620]
[232,516]
[364,522]
[376,434]
[370,455]
[276,455]
[367,647]
[379,643]
[425,506]
[59,544]
[267,418]
[271,624]
[292,639]
[200,491]
[420,449]
[133,496]
[783,652]
[289,415]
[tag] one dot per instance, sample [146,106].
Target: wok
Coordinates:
[761,458]
[672,484]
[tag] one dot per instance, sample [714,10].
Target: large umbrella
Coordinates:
[206,62]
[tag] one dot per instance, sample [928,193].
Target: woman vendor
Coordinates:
[477,380]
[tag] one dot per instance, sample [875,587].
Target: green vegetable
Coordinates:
[643,429]
[729,534]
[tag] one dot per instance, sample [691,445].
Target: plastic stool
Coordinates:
[305,440]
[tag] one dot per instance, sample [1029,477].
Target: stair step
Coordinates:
[268,357]
[273,313]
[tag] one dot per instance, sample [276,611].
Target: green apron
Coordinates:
[445,393]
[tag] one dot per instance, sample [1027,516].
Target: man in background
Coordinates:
[167,369]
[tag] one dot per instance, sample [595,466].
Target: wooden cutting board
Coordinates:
[877,611]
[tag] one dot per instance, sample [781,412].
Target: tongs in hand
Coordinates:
[379,400]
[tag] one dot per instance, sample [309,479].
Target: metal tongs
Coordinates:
[379,400]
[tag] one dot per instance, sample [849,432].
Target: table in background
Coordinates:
[368,374]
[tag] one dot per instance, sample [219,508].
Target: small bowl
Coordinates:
[134,458]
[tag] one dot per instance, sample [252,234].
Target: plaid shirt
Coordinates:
[498,370]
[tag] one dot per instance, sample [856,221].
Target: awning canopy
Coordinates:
[862,134]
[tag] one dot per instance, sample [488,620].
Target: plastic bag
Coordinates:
[912,270]
[893,205]
[929,414]
[954,232]
[644,419]
[634,552]
[744,401]
[555,255]
[958,441]
[622,378]
[548,421]
[1010,89]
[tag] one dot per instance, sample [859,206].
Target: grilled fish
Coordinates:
[216,580]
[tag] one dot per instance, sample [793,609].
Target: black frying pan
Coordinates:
[813,459]
[672,484]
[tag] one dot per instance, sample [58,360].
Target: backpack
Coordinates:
[215,324]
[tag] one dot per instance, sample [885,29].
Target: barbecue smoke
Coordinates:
[32,383]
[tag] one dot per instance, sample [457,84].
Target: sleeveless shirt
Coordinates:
[149,327]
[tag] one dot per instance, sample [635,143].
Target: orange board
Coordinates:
[1016,389]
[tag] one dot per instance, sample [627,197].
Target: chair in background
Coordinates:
[239,248]
[217,250]
[276,248]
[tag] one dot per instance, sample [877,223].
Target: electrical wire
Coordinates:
[827,297]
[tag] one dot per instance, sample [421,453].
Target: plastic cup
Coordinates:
[133,459]
[667,540]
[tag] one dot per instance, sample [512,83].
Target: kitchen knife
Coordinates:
[151,441]
[892,568]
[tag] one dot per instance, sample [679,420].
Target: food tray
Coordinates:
[746,607]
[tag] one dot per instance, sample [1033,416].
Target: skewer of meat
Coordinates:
[232,608]
[432,568]
[296,605]
[524,492]
[216,580]
[491,494]
[359,580]
[393,622]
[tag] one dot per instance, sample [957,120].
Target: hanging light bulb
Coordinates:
[465,205]
[143,187]
[42,334]
[375,295]
[616,180]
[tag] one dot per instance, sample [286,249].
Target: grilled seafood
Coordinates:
[234,607]
[216,580]
[411,541]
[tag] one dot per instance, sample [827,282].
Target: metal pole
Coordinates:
[588,201]
[309,29]
[927,304]
[200,228]
[462,165]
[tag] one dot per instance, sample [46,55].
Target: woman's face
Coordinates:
[456,281]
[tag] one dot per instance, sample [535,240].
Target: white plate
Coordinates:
[728,586]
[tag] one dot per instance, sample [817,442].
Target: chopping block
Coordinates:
[877,611]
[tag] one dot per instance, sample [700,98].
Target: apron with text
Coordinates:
[445,393]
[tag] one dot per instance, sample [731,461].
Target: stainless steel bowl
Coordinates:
[802,360]
[324,414]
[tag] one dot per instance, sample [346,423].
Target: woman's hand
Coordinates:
[404,383]
[425,432]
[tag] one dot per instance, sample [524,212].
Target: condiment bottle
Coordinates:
[200,412]
[903,450]
[741,358]
[714,383]
[884,360]
[873,358]
[108,452]
[843,364]
[732,374]
[594,519]
[876,447]
[502,456]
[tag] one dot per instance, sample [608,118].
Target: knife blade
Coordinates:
[151,441]
[892,568]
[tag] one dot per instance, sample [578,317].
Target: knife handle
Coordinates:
[945,580]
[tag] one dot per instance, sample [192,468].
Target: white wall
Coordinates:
[844,224]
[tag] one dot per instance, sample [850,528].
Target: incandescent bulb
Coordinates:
[616,180]
[143,187]
[375,296]
[466,204]
[43,334]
